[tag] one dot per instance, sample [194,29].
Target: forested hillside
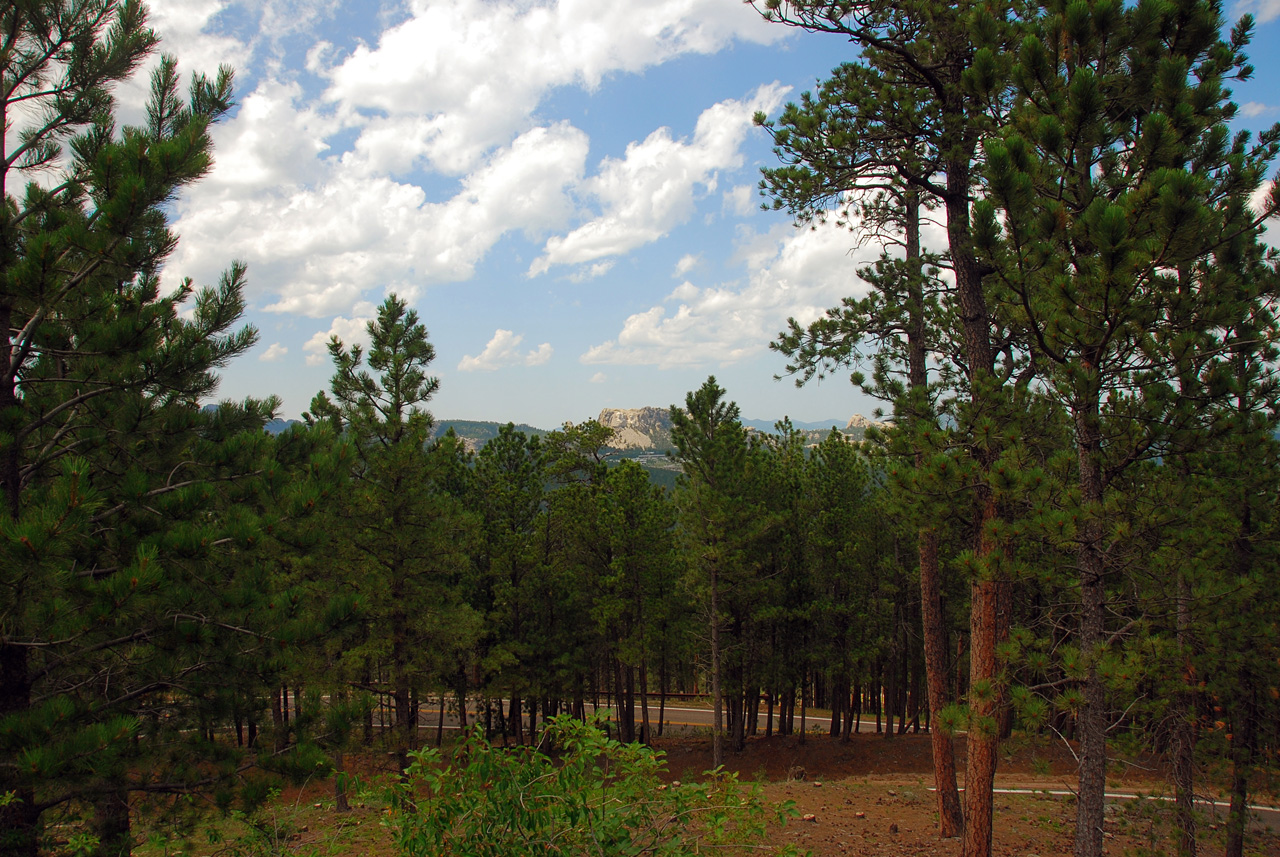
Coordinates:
[1065,529]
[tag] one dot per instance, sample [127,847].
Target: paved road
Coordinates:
[676,717]
[672,716]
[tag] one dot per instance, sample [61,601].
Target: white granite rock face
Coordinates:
[638,428]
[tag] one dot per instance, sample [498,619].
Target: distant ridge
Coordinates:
[636,430]
[476,433]
[279,426]
[767,426]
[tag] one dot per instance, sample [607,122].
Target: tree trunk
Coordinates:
[1242,742]
[836,712]
[913,698]
[891,686]
[717,700]
[623,712]
[646,736]
[857,706]
[401,691]
[462,704]
[279,730]
[340,782]
[1183,737]
[950,818]
[982,740]
[876,701]
[984,621]
[111,823]
[803,710]
[20,818]
[517,719]
[902,676]
[1092,720]
[662,696]
[366,679]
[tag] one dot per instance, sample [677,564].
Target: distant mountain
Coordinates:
[476,433]
[638,428]
[767,426]
[640,433]
[277,426]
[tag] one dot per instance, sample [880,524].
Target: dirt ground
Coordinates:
[874,796]
[871,796]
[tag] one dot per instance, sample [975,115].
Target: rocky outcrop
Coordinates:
[649,429]
[858,425]
[638,428]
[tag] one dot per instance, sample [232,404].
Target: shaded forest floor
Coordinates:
[870,796]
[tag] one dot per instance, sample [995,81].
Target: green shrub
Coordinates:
[590,795]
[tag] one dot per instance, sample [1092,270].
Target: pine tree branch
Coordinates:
[156,492]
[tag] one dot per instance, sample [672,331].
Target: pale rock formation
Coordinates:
[638,428]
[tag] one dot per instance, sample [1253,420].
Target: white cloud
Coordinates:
[590,272]
[453,88]
[1262,197]
[1263,10]
[473,72]
[503,350]
[684,292]
[790,272]
[687,263]
[652,188]
[323,232]
[542,355]
[740,200]
[273,353]
[1253,109]
[182,25]
[350,331]
[598,378]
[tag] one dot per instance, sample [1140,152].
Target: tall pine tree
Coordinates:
[122,499]
[1117,217]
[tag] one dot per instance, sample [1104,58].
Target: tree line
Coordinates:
[1068,529]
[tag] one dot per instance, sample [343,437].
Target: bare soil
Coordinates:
[873,796]
[870,796]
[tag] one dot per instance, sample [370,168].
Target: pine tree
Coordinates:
[124,503]
[711,447]
[406,537]
[895,327]
[1124,207]
[508,491]
[911,113]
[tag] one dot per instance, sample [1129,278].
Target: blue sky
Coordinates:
[563,189]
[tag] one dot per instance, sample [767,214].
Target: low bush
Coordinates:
[584,794]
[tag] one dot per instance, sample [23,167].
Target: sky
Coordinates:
[564,190]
